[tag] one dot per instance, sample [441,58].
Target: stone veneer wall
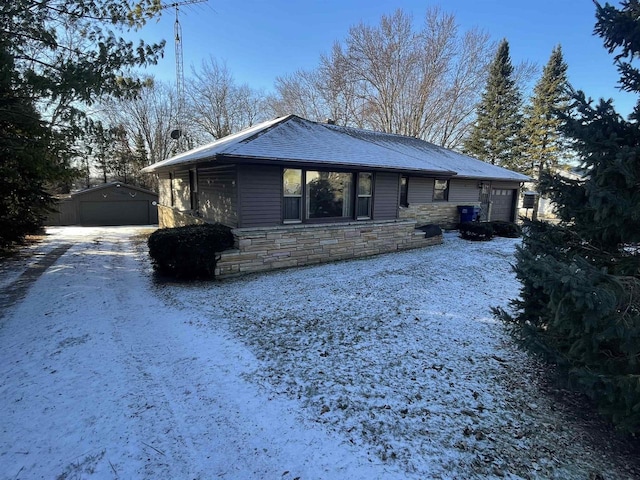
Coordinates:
[169,218]
[261,249]
[444,214]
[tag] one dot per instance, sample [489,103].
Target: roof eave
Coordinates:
[496,178]
[226,158]
[323,164]
[155,168]
[109,185]
[202,153]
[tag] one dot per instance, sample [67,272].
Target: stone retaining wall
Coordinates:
[444,214]
[261,249]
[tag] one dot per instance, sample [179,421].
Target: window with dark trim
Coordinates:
[172,197]
[329,194]
[193,190]
[317,195]
[292,193]
[441,190]
[404,191]
[365,194]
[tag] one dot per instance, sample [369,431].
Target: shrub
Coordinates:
[506,229]
[189,252]
[476,231]
[430,230]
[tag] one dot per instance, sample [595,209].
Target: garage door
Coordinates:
[114,213]
[503,200]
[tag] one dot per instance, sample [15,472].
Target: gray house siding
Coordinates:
[385,196]
[250,196]
[164,189]
[181,190]
[420,190]
[259,196]
[218,194]
[464,191]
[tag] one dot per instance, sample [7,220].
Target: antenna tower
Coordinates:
[178,133]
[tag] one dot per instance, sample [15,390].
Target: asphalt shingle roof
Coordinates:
[294,139]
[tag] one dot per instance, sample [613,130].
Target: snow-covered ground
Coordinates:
[389,367]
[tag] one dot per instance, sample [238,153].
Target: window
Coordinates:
[365,190]
[404,191]
[314,195]
[329,194]
[193,190]
[441,190]
[171,194]
[292,191]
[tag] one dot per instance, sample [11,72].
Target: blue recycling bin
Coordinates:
[466,213]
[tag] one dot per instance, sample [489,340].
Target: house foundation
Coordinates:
[262,249]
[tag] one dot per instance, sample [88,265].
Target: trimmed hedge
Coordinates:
[478,231]
[189,252]
[506,229]
[430,230]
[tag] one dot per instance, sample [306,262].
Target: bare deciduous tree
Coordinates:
[217,105]
[152,115]
[147,119]
[394,78]
[298,93]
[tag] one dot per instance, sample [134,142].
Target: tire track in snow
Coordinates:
[18,289]
[185,403]
[158,422]
[103,375]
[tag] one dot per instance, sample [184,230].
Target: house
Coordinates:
[113,203]
[546,207]
[298,192]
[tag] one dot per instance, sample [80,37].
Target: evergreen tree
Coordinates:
[542,140]
[101,142]
[58,57]
[140,153]
[123,157]
[580,296]
[495,135]
[25,159]
[139,161]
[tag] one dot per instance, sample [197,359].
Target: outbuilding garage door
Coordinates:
[503,200]
[114,213]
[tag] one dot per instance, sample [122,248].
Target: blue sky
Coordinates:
[260,40]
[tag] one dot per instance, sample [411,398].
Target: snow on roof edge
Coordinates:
[210,150]
[353,131]
[226,146]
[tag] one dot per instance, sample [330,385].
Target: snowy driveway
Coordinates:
[389,367]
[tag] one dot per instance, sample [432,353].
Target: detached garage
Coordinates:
[109,204]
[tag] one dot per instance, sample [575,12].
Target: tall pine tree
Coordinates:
[58,58]
[543,144]
[25,159]
[580,296]
[495,135]
[140,160]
